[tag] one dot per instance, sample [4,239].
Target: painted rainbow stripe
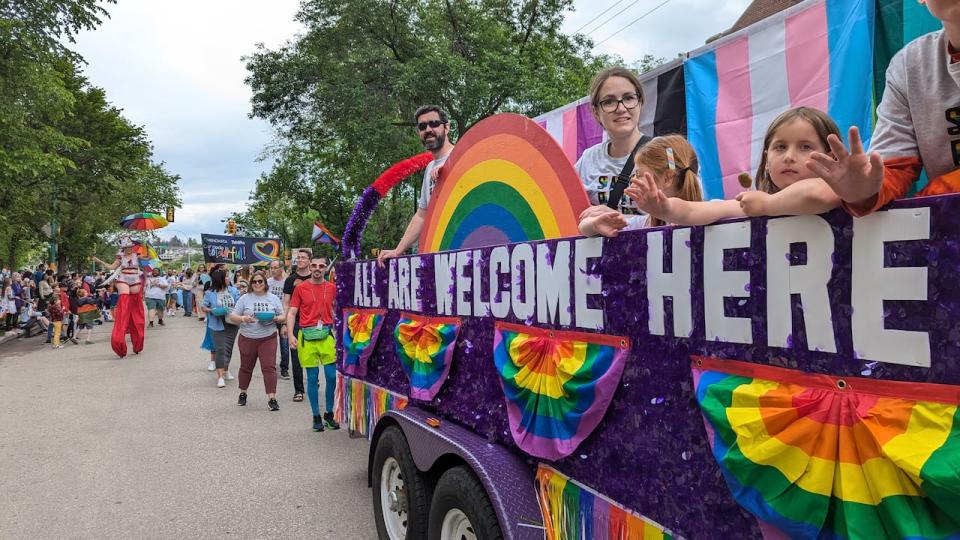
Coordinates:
[557,384]
[820,457]
[425,347]
[817,54]
[360,405]
[573,511]
[506,181]
[361,327]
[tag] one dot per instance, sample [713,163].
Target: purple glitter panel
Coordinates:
[650,453]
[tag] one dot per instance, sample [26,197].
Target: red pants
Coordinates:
[265,349]
[127,318]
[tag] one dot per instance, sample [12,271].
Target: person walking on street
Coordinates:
[314,342]
[9,304]
[221,295]
[300,274]
[257,313]
[187,285]
[156,297]
[275,285]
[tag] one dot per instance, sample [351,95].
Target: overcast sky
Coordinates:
[175,67]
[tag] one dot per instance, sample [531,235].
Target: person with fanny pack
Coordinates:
[314,342]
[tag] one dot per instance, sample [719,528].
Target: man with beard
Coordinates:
[301,272]
[433,127]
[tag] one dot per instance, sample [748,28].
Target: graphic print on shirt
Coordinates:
[225,299]
[953,117]
[627,206]
[262,307]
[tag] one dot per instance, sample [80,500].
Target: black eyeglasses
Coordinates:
[432,123]
[611,104]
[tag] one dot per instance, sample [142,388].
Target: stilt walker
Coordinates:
[128,315]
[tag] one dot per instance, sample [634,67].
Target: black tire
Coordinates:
[393,444]
[458,488]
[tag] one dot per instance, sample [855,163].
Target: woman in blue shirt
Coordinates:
[221,295]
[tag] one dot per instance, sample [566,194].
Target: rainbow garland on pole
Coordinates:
[370,198]
[572,511]
[360,405]
[817,456]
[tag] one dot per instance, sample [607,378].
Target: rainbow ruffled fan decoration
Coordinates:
[818,456]
[425,347]
[557,384]
[361,327]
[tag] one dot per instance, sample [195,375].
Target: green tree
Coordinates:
[342,94]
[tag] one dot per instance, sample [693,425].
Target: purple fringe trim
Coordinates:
[358,222]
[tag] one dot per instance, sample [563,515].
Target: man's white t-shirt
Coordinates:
[427,187]
[276,286]
[597,170]
[153,288]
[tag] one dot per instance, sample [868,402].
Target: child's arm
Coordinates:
[601,220]
[652,200]
[810,196]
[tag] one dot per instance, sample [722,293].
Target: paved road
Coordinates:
[92,446]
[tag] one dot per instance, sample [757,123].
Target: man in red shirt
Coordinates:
[314,342]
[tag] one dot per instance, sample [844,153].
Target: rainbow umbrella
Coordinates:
[143,221]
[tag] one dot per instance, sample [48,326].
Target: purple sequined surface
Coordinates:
[651,452]
[353,232]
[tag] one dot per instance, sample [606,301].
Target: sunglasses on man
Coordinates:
[318,266]
[432,123]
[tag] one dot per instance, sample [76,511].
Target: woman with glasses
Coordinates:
[258,313]
[615,98]
[220,297]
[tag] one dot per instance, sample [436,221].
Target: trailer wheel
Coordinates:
[460,509]
[401,498]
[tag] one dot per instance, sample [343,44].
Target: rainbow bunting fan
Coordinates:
[817,456]
[361,327]
[557,384]
[425,347]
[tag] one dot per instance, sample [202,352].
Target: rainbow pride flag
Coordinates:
[361,327]
[817,54]
[817,456]
[425,347]
[573,511]
[359,405]
[557,384]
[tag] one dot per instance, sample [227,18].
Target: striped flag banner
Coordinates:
[816,54]
[573,511]
[359,405]
[898,22]
[663,112]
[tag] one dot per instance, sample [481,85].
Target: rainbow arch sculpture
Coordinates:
[507,180]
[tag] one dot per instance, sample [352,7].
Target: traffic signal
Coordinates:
[231,227]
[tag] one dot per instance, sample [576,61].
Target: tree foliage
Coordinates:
[342,94]
[66,154]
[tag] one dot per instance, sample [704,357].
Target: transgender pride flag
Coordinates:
[818,53]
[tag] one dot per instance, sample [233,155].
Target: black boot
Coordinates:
[317,423]
[328,419]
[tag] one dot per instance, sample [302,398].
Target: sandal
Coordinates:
[298,396]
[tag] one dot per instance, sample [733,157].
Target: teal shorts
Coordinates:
[155,303]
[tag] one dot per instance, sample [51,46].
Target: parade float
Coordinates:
[792,377]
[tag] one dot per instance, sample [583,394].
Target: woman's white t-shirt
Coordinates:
[597,170]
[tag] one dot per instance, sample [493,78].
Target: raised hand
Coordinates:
[649,197]
[855,176]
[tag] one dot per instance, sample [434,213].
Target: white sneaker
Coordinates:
[229,376]
[212,366]
[220,383]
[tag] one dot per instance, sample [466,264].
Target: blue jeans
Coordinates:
[187,303]
[313,376]
[284,351]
